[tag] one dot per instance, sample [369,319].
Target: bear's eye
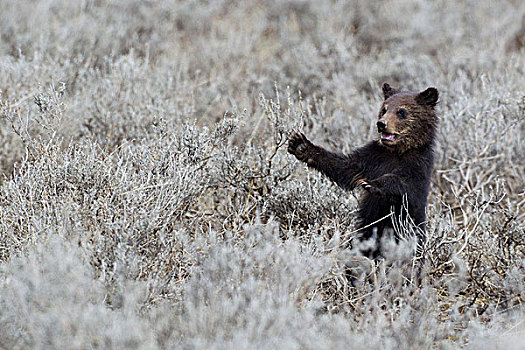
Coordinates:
[402,113]
[383,111]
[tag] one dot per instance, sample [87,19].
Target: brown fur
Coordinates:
[395,170]
[420,123]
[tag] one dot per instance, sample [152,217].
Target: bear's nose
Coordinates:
[381,126]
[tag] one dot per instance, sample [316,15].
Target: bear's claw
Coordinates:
[298,144]
[364,184]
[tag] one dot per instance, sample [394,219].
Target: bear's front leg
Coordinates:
[386,186]
[343,170]
[302,148]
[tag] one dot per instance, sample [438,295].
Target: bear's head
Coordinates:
[407,120]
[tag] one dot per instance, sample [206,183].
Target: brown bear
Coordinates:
[394,170]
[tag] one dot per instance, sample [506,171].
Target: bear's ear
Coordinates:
[428,97]
[388,90]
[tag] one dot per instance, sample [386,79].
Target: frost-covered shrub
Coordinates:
[255,293]
[50,299]
[147,199]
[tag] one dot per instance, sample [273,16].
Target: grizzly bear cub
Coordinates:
[394,170]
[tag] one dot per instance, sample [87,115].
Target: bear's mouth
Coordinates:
[388,137]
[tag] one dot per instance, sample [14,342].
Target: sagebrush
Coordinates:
[148,201]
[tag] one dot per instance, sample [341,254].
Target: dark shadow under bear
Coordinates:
[395,170]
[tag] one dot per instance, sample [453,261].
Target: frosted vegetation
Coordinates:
[147,199]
